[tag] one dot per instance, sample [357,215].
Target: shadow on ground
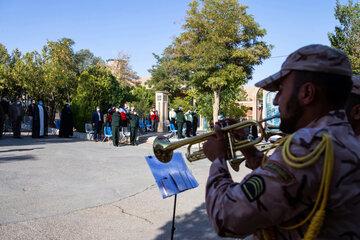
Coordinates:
[16,158]
[19,150]
[9,141]
[191,226]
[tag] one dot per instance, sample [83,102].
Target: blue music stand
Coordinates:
[172,178]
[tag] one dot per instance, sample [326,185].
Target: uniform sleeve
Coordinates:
[269,196]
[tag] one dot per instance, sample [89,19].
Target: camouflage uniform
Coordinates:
[276,194]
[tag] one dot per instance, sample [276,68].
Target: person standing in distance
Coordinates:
[97,122]
[66,122]
[180,119]
[134,125]
[5,105]
[156,120]
[285,195]
[40,120]
[30,109]
[188,121]
[153,119]
[124,120]
[115,126]
[16,114]
[172,116]
[194,122]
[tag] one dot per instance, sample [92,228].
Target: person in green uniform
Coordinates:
[188,122]
[134,125]
[115,126]
[180,119]
[194,122]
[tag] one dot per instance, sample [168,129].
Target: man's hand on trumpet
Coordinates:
[217,146]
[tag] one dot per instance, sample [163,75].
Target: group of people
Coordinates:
[118,117]
[309,187]
[12,114]
[179,118]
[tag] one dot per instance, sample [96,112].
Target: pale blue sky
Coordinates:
[142,27]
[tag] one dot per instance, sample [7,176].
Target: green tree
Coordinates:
[229,107]
[4,68]
[93,90]
[347,36]
[219,47]
[164,77]
[14,76]
[59,73]
[97,87]
[85,58]
[54,76]
[184,102]
[34,76]
[120,95]
[145,99]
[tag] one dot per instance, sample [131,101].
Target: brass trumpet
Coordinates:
[163,148]
[235,163]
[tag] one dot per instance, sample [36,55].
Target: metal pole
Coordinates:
[173,221]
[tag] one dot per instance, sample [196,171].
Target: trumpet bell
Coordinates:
[160,151]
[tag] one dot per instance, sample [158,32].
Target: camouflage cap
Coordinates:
[356,84]
[313,58]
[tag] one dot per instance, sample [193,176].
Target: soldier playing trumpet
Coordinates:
[309,187]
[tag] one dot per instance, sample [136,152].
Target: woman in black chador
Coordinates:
[66,122]
[40,121]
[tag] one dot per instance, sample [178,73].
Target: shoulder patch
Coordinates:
[253,187]
[279,170]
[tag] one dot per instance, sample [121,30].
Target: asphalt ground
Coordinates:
[56,188]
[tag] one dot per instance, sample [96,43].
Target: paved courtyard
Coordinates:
[53,188]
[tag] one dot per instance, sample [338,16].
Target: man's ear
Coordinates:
[307,93]
[355,112]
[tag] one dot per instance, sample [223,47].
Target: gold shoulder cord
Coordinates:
[301,162]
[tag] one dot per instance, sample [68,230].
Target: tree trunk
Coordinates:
[216,105]
[52,111]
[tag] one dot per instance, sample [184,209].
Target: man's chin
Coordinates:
[287,126]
